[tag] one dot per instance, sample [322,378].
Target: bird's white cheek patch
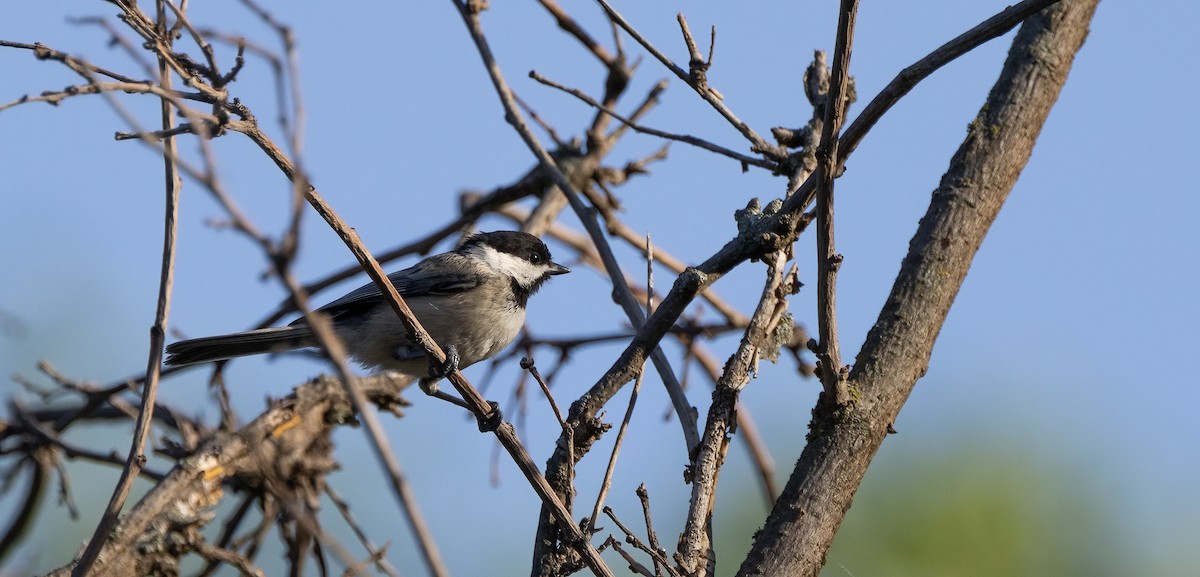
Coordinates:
[509,265]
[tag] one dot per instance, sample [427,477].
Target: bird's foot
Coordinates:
[438,371]
[491,421]
[430,387]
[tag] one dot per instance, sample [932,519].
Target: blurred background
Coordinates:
[1056,432]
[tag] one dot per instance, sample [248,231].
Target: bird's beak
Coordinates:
[556,268]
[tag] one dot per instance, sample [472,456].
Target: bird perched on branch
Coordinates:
[471,301]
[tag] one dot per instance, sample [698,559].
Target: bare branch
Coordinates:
[692,140]
[219,555]
[695,551]
[376,552]
[283,436]
[844,438]
[908,78]
[659,554]
[24,516]
[527,364]
[759,236]
[570,26]
[136,459]
[557,181]
[42,52]
[758,144]
[55,97]
[655,553]
[831,370]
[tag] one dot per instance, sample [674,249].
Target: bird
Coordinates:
[471,300]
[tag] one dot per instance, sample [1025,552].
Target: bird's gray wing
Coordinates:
[434,276]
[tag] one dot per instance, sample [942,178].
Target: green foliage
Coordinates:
[977,512]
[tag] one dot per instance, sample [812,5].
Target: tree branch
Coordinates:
[843,439]
[136,459]
[280,439]
[694,551]
[832,371]
[699,84]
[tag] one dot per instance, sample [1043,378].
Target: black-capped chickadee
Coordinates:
[470,300]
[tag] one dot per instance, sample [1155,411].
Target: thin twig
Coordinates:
[228,528]
[232,558]
[376,553]
[832,371]
[621,289]
[308,528]
[633,564]
[136,459]
[43,53]
[632,539]
[56,97]
[254,540]
[549,130]
[758,144]
[685,138]
[244,44]
[695,58]
[606,483]
[181,21]
[31,425]
[527,364]
[648,103]
[65,497]
[644,497]
[293,130]
[573,28]
[23,517]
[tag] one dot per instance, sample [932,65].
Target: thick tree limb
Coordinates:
[896,353]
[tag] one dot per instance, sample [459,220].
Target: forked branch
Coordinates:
[844,438]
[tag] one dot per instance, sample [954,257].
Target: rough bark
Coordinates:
[843,440]
[289,442]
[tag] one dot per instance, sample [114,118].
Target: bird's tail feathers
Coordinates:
[222,347]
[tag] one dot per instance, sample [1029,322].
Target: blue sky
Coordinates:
[1072,337]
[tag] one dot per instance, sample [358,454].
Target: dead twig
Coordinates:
[694,552]
[685,138]
[527,364]
[831,370]
[658,555]
[136,459]
[711,96]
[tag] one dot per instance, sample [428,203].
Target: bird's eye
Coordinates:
[535,258]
